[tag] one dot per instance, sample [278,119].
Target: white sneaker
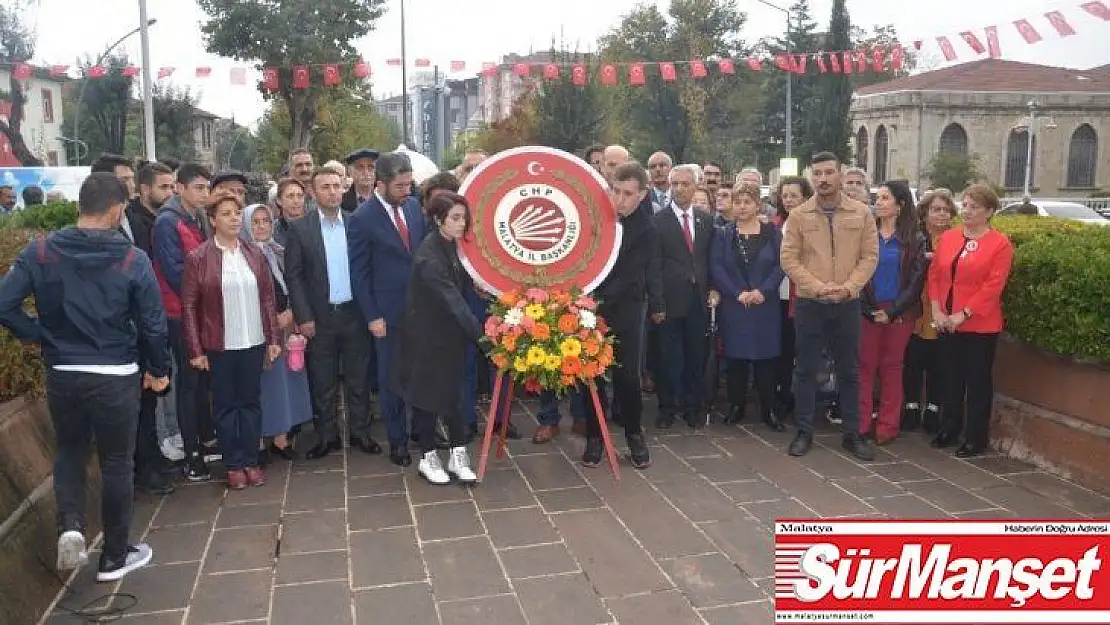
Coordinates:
[459,466]
[431,469]
[137,557]
[71,550]
[171,450]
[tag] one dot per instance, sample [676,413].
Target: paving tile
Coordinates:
[538,560]
[376,485]
[667,467]
[560,600]
[757,612]
[769,511]
[422,493]
[698,500]
[660,608]
[162,618]
[407,603]
[190,504]
[665,532]
[503,489]
[231,597]
[272,492]
[829,464]
[1024,503]
[549,471]
[314,531]
[691,445]
[178,543]
[944,465]
[608,555]
[241,548]
[983,515]
[565,499]
[360,464]
[464,569]
[711,580]
[1063,492]
[298,568]
[502,610]
[902,472]
[750,546]
[385,557]
[375,513]
[523,526]
[752,490]
[257,514]
[326,603]
[157,588]
[948,497]
[868,487]
[314,492]
[330,462]
[908,506]
[448,520]
[721,469]
[1001,465]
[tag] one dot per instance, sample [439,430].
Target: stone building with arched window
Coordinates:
[982,108]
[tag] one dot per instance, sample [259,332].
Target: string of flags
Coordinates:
[879,59]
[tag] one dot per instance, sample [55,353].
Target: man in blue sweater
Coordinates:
[100,317]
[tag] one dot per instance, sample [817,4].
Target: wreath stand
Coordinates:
[487,438]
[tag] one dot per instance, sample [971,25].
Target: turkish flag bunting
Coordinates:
[993,46]
[522,69]
[973,41]
[821,65]
[423,62]
[58,70]
[331,75]
[636,74]
[21,71]
[847,62]
[300,77]
[130,71]
[362,70]
[578,74]
[834,62]
[489,69]
[238,76]
[96,71]
[918,43]
[204,72]
[755,64]
[861,61]
[393,62]
[896,57]
[666,70]
[946,48]
[798,63]
[697,69]
[878,59]
[1060,23]
[271,80]
[165,72]
[1098,9]
[551,71]
[726,66]
[608,74]
[783,62]
[458,66]
[1027,31]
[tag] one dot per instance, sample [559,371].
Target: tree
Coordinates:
[518,129]
[105,105]
[17,45]
[175,109]
[292,32]
[953,171]
[234,146]
[569,116]
[832,128]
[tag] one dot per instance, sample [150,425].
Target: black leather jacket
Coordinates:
[913,268]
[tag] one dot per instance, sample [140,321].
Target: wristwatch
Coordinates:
[967,312]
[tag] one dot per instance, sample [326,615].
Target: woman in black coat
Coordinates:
[436,330]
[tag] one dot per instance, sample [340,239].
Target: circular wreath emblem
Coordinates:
[541,218]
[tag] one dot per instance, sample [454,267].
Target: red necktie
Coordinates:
[686,232]
[402,228]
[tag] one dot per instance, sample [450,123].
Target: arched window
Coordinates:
[1082,157]
[1016,148]
[881,146]
[953,141]
[861,147]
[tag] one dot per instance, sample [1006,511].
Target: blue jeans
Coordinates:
[549,408]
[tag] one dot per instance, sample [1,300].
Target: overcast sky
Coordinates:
[482,30]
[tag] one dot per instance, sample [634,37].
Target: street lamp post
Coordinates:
[148,85]
[404,82]
[1029,148]
[789,80]
[85,82]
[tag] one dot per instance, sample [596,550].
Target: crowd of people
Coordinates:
[347,279]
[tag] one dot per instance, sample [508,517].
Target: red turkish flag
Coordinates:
[204,72]
[393,62]
[667,71]
[698,70]
[551,71]
[165,72]
[578,74]
[973,42]
[238,76]
[130,71]
[847,62]
[636,74]
[58,70]
[993,46]
[22,71]
[1028,33]
[458,66]
[423,63]
[1060,23]
[726,66]
[896,57]
[522,69]
[946,48]
[861,61]
[755,64]
[362,70]
[271,79]
[608,74]
[300,77]
[331,75]
[878,59]
[96,71]
[1097,9]
[821,66]
[783,62]
[489,69]
[798,63]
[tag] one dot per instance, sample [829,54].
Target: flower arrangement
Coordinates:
[548,340]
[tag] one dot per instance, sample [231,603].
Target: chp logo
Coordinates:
[541,217]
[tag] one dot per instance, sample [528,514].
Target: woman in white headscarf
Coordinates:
[285,398]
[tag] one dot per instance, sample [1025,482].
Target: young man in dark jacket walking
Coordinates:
[100,317]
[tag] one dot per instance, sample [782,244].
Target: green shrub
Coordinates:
[21,366]
[44,217]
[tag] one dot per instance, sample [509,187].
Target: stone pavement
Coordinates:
[543,541]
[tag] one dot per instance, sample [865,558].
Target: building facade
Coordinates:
[986,108]
[500,90]
[43,128]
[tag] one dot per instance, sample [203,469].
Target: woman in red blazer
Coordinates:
[966,278]
[230,326]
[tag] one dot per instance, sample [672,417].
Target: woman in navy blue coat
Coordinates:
[744,265]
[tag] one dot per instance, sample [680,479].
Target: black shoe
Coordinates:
[911,419]
[735,415]
[638,450]
[772,420]
[323,448]
[399,455]
[942,440]
[512,433]
[285,453]
[210,451]
[195,468]
[692,420]
[154,483]
[855,445]
[664,422]
[930,420]
[112,569]
[969,451]
[592,456]
[801,444]
[368,445]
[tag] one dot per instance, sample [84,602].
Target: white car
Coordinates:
[1062,210]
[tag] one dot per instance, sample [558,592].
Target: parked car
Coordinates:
[1062,210]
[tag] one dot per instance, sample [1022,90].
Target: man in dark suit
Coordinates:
[361,166]
[318,272]
[685,237]
[384,232]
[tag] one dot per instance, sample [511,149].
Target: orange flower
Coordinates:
[501,361]
[541,331]
[590,370]
[509,342]
[607,352]
[532,385]
[568,380]
[568,324]
[509,298]
[572,365]
[592,347]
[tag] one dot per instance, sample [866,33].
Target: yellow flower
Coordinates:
[520,364]
[570,347]
[535,311]
[536,356]
[553,362]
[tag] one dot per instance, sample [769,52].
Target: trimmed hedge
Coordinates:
[44,217]
[21,366]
